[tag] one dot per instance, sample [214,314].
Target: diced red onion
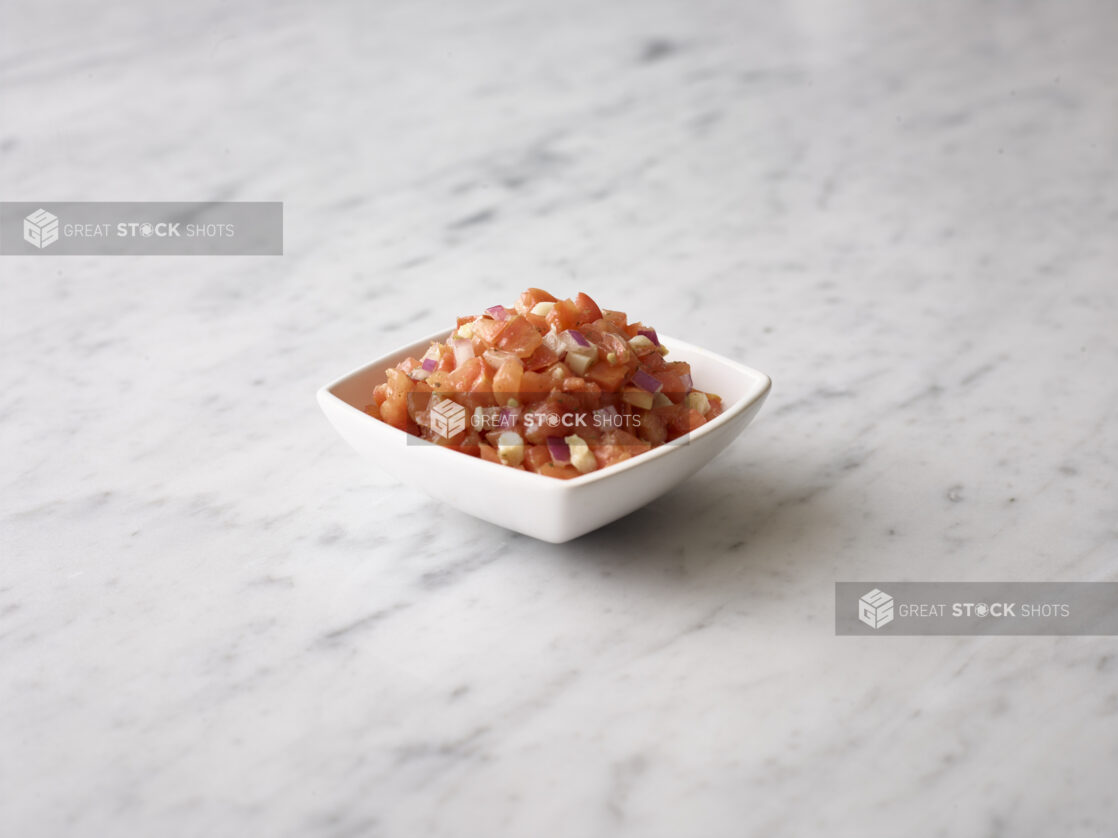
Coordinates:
[578,338]
[687,385]
[508,418]
[498,312]
[430,364]
[605,417]
[559,450]
[580,353]
[463,350]
[646,382]
[553,342]
[650,334]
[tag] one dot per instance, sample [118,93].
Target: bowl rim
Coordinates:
[538,481]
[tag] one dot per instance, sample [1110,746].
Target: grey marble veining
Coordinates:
[215,620]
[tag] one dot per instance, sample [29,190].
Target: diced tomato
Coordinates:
[464,376]
[617,318]
[470,443]
[592,331]
[539,323]
[574,384]
[590,432]
[695,419]
[685,420]
[506,383]
[541,358]
[489,453]
[618,444]
[557,372]
[616,345]
[542,425]
[619,436]
[398,382]
[671,376]
[673,417]
[653,429]
[534,386]
[588,309]
[536,456]
[608,376]
[519,337]
[489,330]
[673,385]
[562,472]
[380,393]
[483,382]
[564,316]
[438,381]
[609,454]
[471,440]
[394,411]
[531,297]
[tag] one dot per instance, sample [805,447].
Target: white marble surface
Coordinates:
[215,621]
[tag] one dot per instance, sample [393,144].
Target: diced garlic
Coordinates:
[542,309]
[698,401]
[637,398]
[485,418]
[510,448]
[466,330]
[660,400]
[641,345]
[582,458]
[580,362]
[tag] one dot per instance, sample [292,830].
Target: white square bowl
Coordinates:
[544,507]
